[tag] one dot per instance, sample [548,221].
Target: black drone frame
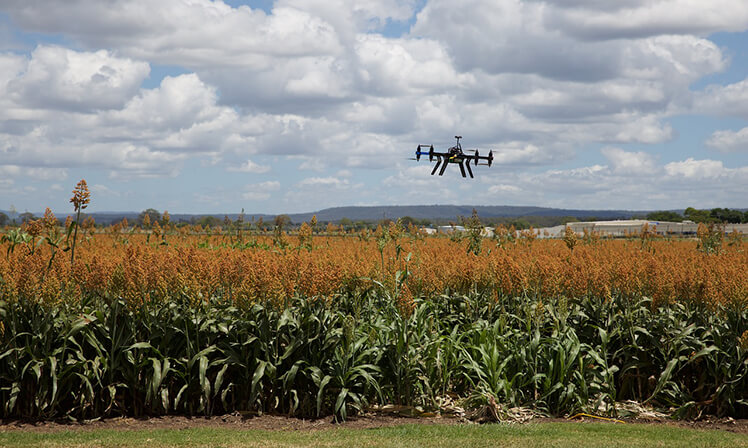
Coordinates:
[453,155]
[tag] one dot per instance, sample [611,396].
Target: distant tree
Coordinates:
[385,223]
[153,215]
[360,225]
[26,217]
[208,220]
[520,224]
[726,215]
[3,219]
[281,221]
[407,221]
[346,223]
[698,215]
[665,215]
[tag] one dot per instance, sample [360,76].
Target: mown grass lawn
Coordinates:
[576,435]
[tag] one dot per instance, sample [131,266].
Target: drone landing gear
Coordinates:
[464,165]
[444,167]
[436,167]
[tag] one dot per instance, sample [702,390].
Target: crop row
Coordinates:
[315,357]
[200,268]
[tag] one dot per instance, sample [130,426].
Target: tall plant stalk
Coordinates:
[80,200]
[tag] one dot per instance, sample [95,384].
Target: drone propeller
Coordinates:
[490,158]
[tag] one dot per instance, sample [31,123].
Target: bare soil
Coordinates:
[283,423]
[234,420]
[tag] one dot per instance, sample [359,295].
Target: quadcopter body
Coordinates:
[455,155]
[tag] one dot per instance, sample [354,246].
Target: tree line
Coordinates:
[713,216]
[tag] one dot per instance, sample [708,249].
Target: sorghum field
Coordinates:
[159,319]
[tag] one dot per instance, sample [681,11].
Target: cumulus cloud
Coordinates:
[508,36]
[250,167]
[630,163]
[681,184]
[503,188]
[334,182]
[102,190]
[35,173]
[729,141]
[195,33]
[59,78]
[153,130]
[392,67]
[637,19]
[696,169]
[731,99]
[260,191]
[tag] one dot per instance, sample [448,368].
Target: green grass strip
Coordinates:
[577,435]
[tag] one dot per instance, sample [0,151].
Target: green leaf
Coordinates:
[256,378]
[219,379]
[179,397]
[320,392]
[156,380]
[340,403]
[664,378]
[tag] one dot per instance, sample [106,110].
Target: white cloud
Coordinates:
[195,33]
[636,19]
[310,163]
[517,153]
[509,36]
[729,141]
[503,188]
[9,170]
[731,99]
[392,67]
[260,191]
[324,182]
[682,183]
[350,16]
[250,167]
[102,190]
[630,163]
[152,132]
[696,169]
[33,173]
[59,78]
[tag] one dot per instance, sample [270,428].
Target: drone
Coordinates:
[453,155]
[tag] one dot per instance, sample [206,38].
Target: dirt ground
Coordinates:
[283,423]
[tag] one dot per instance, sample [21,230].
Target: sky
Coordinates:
[285,106]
